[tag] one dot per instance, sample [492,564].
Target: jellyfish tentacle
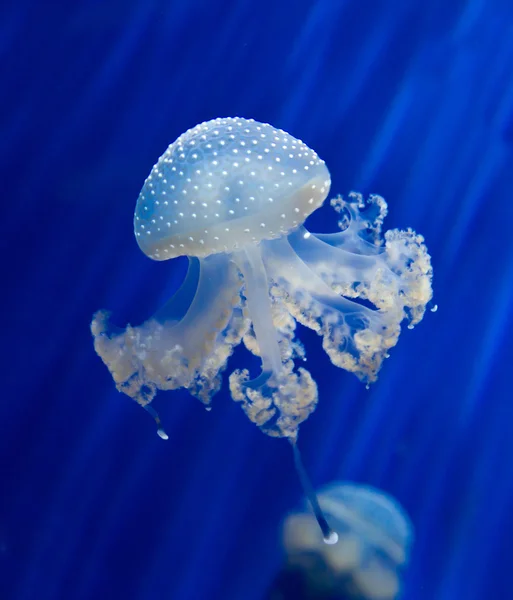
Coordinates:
[329,260]
[329,536]
[256,291]
[160,430]
[279,404]
[186,343]
[392,271]
[280,398]
[355,337]
[216,295]
[360,224]
[286,266]
[175,309]
[397,279]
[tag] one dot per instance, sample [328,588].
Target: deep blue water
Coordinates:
[411,100]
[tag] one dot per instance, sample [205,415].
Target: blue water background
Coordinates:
[412,100]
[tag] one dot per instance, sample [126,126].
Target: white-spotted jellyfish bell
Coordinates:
[367,562]
[232,194]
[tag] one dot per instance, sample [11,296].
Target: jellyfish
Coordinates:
[369,551]
[232,195]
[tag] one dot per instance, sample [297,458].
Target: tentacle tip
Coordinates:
[331,538]
[162,434]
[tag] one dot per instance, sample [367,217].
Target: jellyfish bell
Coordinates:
[368,559]
[225,185]
[232,194]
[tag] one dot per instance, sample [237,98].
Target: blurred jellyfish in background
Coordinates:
[232,194]
[366,561]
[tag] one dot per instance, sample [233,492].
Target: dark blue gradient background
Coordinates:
[412,100]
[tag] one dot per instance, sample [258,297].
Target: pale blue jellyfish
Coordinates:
[232,194]
[372,538]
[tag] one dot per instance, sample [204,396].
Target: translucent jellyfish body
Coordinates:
[367,560]
[232,195]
